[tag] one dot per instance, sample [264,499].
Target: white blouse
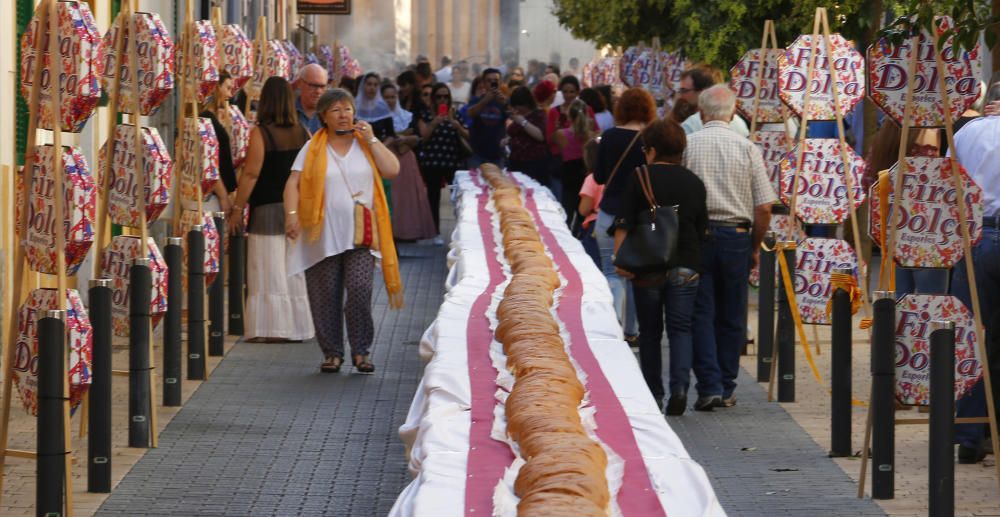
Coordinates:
[337,229]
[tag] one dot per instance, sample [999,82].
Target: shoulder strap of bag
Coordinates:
[642,174]
[622,157]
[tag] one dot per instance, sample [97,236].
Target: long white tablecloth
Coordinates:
[437,429]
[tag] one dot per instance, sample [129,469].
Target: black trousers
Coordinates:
[573,174]
[435,178]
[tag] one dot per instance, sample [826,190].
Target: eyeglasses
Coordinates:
[315,86]
[683,91]
[445,97]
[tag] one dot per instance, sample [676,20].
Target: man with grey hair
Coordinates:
[310,85]
[739,199]
[977,147]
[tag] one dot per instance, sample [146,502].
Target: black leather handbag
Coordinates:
[651,245]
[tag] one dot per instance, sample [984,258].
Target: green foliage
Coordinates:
[718,32]
[970,18]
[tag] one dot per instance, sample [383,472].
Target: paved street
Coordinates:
[270,435]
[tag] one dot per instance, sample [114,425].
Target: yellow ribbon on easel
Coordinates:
[884,216]
[797,318]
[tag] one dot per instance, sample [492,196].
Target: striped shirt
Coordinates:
[732,169]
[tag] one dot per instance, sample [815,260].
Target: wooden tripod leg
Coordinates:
[866,443]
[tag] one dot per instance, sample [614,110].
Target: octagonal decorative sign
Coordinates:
[80,201]
[849,77]
[116,263]
[888,67]
[200,170]
[773,145]
[237,55]
[744,77]
[155,63]
[82,55]
[822,190]
[239,134]
[815,260]
[201,69]
[914,313]
[780,225]
[79,342]
[929,233]
[123,195]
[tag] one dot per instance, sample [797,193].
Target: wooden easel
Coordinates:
[261,52]
[765,50]
[890,248]
[188,109]
[47,15]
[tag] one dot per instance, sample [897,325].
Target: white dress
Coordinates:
[336,234]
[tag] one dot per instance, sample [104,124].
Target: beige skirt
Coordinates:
[277,304]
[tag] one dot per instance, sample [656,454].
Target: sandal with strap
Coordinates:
[363,365]
[331,364]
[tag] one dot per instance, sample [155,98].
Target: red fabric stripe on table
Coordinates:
[488,458]
[636,497]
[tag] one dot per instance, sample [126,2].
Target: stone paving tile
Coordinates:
[761,462]
[271,435]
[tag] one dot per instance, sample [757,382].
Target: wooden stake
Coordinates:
[810,68]
[42,13]
[970,270]
[764,52]
[890,245]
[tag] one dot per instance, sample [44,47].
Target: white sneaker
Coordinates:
[438,241]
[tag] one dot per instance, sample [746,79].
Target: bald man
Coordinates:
[310,85]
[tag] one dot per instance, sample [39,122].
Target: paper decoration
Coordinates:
[780,224]
[815,260]
[348,66]
[822,189]
[200,169]
[82,55]
[744,77]
[325,54]
[201,70]
[929,233]
[189,218]
[123,198]
[295,58]
[116,263]
[603,71]
[80,200]
[155,63]
[773,145]
[279,62]
[237,55]
[914,312]
[239,135]
[849,67]
[79,342]
[888,67]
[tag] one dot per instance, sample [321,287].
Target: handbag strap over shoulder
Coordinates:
[642,175]
[622,157]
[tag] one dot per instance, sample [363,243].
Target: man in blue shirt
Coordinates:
[310,85]
[489,116]
[977,147]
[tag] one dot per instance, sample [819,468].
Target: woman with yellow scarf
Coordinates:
[334,191]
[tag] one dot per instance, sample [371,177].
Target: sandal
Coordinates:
[363,365]
[331,365]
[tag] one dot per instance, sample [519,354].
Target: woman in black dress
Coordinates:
[442,151]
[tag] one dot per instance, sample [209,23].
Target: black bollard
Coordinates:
[237,279]
[883,367]
[786,333]
[174,255]
[942,432]
[51,471]
[217,296]
[840,374]
[99,394]
[196,304]
[765,310]
[140,286]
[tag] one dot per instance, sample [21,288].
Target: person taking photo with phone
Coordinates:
[488,113]
[442,150]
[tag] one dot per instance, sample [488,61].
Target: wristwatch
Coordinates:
[372,140]
[524,122]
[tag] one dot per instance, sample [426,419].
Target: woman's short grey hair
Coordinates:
[717,103]
[331,97]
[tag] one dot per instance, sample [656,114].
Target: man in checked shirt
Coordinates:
[739,211]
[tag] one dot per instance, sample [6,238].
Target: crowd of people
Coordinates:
[392,144]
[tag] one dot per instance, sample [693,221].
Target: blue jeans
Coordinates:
[720,317]
[986,259]
[621,290]
[674,302]
[590,244]
[920,281]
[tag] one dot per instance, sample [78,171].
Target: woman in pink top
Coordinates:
[590,199]
[570,141]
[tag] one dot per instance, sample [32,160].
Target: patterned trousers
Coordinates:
[326,282]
